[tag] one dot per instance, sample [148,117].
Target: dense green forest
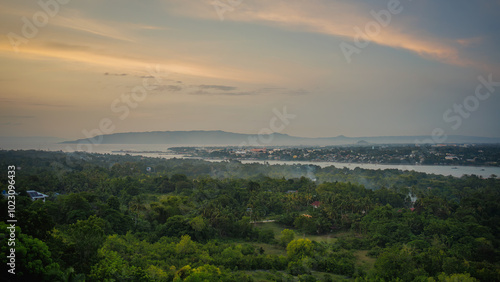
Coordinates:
[130,218]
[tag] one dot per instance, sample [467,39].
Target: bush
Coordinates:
[297,267]
[307,278]
[266,236]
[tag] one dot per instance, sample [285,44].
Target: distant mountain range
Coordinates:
[218,137]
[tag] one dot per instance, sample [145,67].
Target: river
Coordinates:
[158,150]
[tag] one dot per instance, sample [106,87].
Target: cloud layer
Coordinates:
[228,70]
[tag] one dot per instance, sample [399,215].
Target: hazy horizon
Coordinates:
[308,69]
[246,133]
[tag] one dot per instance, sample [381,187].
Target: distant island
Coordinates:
[218,137]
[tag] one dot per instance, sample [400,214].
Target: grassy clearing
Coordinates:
[266,275]
[271,249]
[363,260]
[273,226]
[321,275]
[327,238]
[261,275]
[276,228]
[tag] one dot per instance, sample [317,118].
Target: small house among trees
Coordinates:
[34,195]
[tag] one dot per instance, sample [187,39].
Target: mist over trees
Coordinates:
[110,218]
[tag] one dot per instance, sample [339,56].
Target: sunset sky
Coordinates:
[210,69]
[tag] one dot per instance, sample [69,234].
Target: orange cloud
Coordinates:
[107,56]
[339,19]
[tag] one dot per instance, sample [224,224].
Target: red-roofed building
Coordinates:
[316,204]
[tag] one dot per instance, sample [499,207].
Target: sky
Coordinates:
[315,68]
